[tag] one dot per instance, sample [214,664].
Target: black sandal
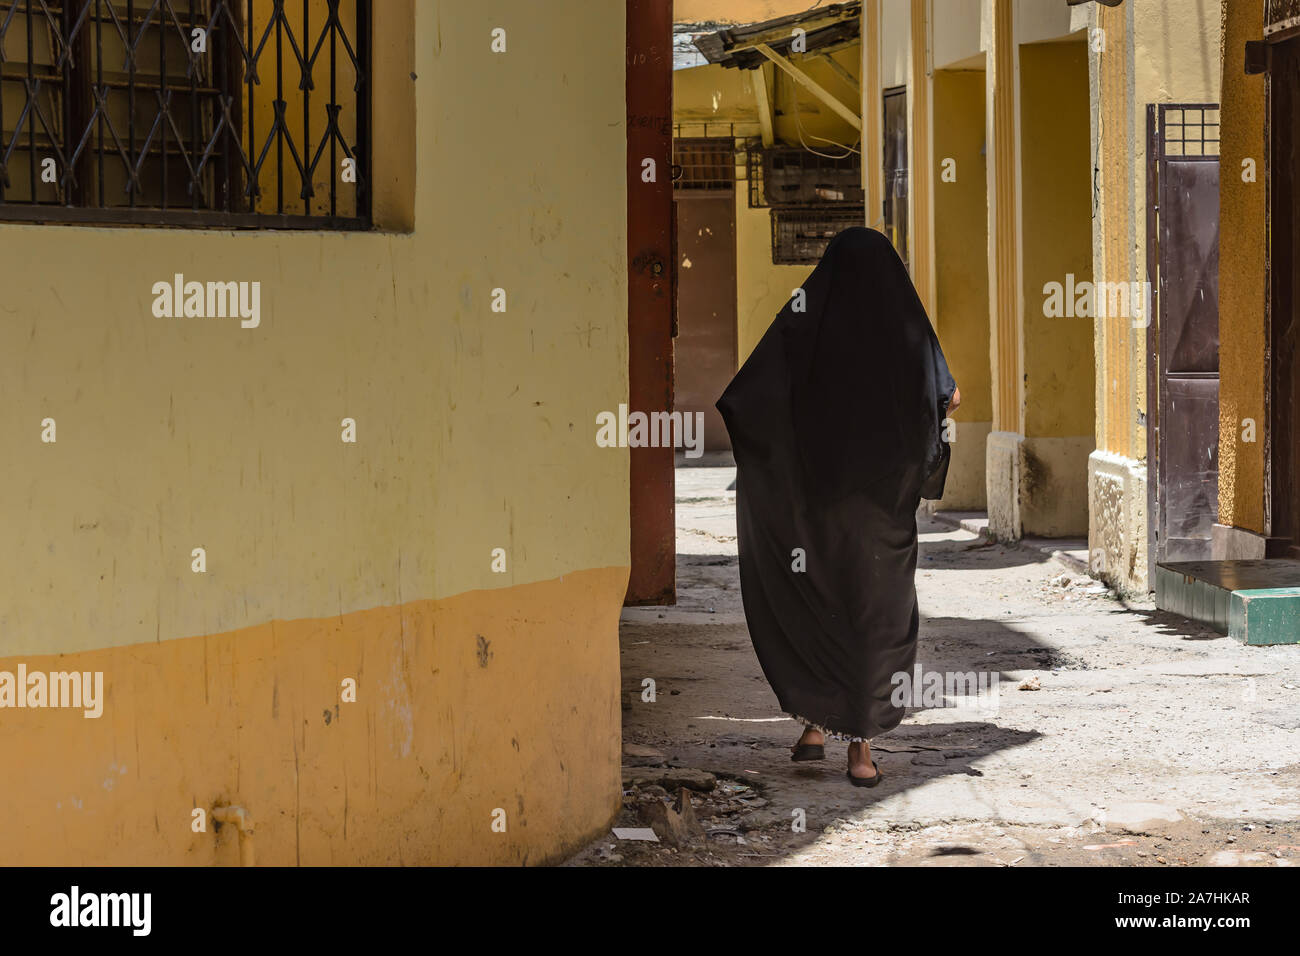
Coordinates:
[865,781]
[808,752]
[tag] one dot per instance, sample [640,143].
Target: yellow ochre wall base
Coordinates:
[491,699]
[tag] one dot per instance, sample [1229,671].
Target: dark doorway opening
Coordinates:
[705,349]
[1283,263]
[895,162]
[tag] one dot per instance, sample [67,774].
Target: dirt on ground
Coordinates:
[1118,734]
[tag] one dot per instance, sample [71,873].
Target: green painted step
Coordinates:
[1254,601]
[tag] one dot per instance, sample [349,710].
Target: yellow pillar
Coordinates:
[1004,454]
[921,226]
[873,176]
[1117,389]
[1118,533]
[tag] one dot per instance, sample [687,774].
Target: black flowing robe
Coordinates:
[836,424]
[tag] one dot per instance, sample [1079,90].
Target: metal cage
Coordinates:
[801,234]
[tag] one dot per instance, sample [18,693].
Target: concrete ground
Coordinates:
[1149,739]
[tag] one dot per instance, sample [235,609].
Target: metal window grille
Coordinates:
[793,175]
[1189,130]
[704,163]
[801,235]
[754,164]
[185,112]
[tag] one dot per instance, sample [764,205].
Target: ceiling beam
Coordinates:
[758,82]
[817,90]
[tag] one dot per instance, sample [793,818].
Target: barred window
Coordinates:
[226,113]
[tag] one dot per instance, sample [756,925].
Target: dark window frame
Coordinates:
[302,66]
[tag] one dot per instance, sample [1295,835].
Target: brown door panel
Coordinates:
[706,308]
[1186,439]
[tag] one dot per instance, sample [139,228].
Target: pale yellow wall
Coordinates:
[475,431]
[955,33]
[1243,244]
[1037,22]
[1176,52]
[895,42]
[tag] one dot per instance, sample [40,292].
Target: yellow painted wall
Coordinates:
[735,11]
[1056,240]
[960,240]
[961,309]
[1056,237]
[762,288]
[475,431]
[1243,244]
[713,94]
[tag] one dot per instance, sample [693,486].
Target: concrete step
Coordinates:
[1252,601]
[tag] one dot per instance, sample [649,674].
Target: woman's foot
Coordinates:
[812,736]
[811,746]
[861,766]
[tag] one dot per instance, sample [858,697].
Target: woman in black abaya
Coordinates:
[836,423]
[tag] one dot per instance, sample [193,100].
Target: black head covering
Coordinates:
[836,423]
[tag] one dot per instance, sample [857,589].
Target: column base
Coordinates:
[1117,522]
[1004,463]
[1229,543]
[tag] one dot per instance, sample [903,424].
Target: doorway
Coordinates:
[894,135]
[705,351]
[1284,334]
[1183,206]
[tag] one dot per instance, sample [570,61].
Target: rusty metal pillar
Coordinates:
[651,299]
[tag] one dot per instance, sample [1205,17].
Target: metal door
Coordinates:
[1184,147]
